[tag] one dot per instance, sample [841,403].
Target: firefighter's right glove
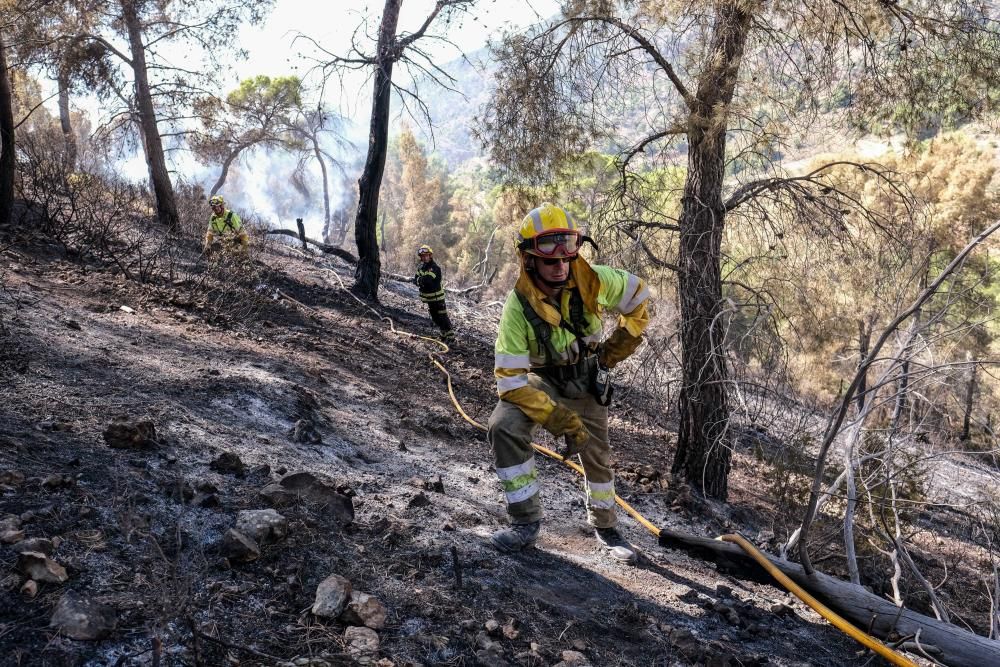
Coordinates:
[564,422]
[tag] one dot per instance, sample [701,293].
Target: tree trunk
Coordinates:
[65,122]
[224,174]
[166,206]
[850,548]
[970,394]
[7,161]
[864,340]
[326,188]
[369,269]
[703,448]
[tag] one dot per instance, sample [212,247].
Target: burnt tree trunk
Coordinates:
[166,206]
[703,448]
[65,121]
[7,162]
[366,276]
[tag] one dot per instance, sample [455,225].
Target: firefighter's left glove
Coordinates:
[565,422]
[618,347]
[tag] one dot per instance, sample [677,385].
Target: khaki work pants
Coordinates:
[510,436]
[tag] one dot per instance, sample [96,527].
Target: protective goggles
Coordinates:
[563,243]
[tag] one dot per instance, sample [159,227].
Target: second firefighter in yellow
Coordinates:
[224,223]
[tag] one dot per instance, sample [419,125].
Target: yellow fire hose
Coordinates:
[835,619]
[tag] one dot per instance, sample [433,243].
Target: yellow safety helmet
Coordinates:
[425,249]
[550,231]
[216,200]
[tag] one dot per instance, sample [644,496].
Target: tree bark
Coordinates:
[166,206]
[850,548]
[703,449]
[326,187]
[864,340]
[366,276]
[224,174]
[7,159]
[65,121]
[970,394]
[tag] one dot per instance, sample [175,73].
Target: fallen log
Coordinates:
[869,612]
[325,247]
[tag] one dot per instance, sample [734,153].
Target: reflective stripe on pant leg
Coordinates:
[509,434]
[600,478]
[439,314]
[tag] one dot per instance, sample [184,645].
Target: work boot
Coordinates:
[517,537]
[617,546]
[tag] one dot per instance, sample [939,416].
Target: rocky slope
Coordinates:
[294,486]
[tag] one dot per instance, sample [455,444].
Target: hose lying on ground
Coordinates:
[835,619]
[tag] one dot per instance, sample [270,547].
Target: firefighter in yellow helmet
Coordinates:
[551,367]
[431,286]
[224,223]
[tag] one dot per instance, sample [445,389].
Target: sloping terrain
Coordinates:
[315,383]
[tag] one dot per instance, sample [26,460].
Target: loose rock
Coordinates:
[55,482]
[361,642]
[305,486]
[278,496]
[123,435]
[364,609]
[238,547]
[81,618]
[332,595]
[11,536]
[228,463]
[573,659]
[419,500]
[29,589]
[305,431]
[40,567]
[37,544]
[263,526]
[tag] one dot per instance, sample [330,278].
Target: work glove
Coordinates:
[618,347]
[565,422]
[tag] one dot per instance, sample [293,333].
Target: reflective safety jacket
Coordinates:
[517,351]
[428,280]
[229,221]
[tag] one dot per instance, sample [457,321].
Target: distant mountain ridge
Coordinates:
[453,112]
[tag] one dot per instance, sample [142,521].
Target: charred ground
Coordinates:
[231,360]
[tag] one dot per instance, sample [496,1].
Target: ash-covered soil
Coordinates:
[315,383]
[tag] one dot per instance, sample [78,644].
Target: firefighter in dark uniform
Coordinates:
[428,280]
